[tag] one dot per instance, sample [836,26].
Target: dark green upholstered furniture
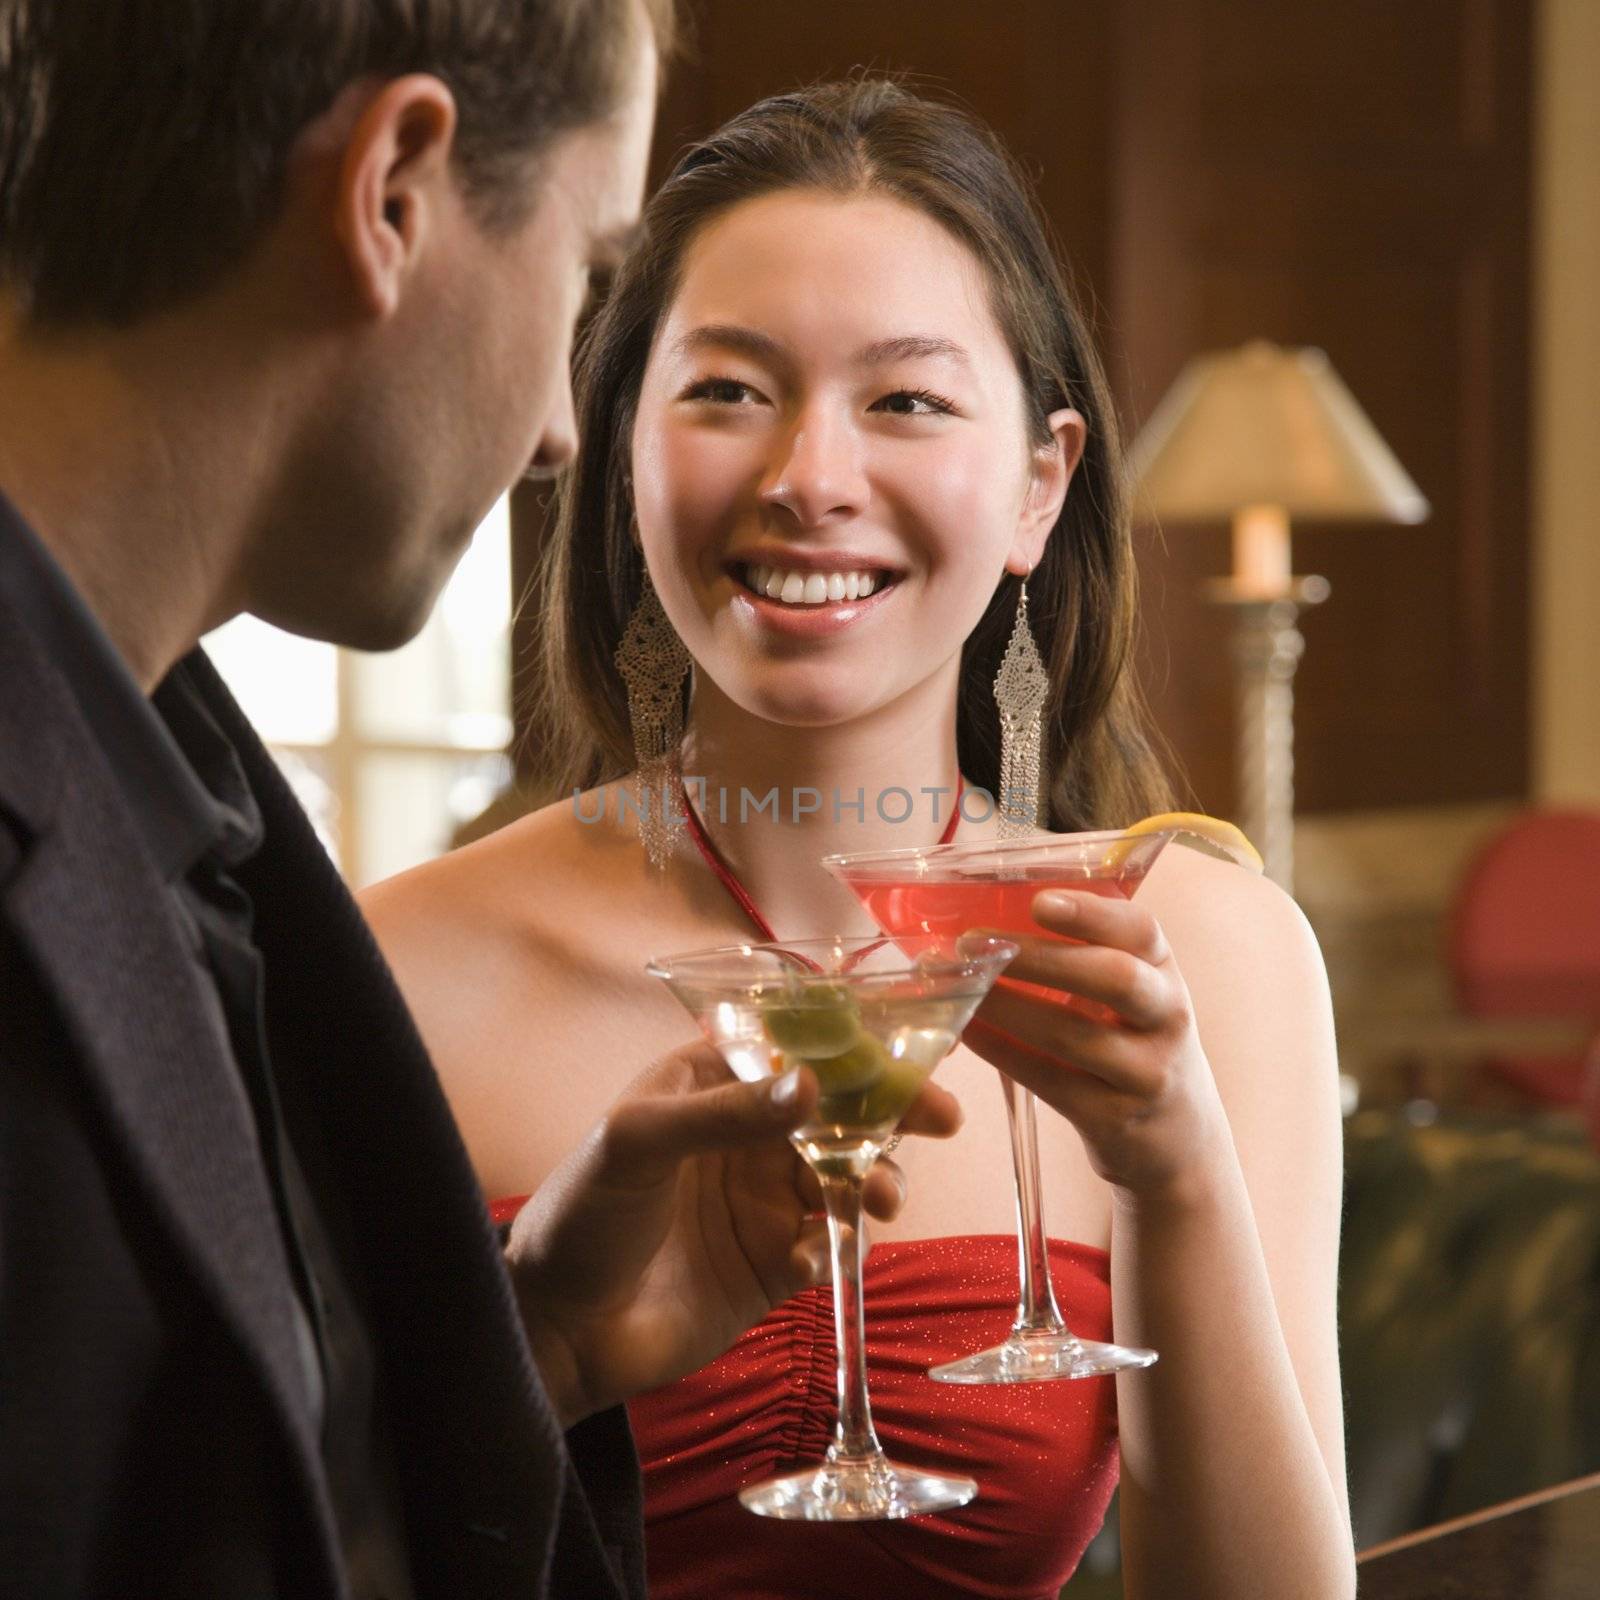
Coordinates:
[1470,1313]
[1469,1319]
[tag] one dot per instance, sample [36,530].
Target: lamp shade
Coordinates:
[1266,426]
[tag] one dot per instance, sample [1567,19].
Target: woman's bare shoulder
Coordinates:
[1255,975]
[509,955]
[1215,912]
[509,880]
[515,913]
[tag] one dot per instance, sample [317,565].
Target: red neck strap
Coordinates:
[730,879]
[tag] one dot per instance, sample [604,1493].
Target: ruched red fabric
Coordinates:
[1044,1454]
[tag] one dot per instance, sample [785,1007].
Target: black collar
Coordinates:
[178,773]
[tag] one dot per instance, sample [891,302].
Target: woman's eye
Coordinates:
[913,403]
[719,391]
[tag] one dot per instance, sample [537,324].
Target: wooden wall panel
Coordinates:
[1353,176]
[1038,70]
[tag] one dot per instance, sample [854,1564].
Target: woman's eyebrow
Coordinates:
[773,353]
[911,346]
[731,336]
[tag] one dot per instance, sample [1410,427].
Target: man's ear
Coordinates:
[393,177]
[1052,466]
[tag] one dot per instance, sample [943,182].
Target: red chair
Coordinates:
[1525,939]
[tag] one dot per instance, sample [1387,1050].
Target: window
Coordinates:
[390,753]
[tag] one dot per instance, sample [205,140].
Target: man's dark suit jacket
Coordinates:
[153,1435]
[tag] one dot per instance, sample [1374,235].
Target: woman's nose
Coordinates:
[816,473]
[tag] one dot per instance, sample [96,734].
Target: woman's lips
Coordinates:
[802,621]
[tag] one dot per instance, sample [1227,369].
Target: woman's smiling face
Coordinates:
[831,462]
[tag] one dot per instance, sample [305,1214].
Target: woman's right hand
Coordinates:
[1129,1070]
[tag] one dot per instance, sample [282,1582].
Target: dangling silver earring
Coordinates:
[1021,688]
[652,661]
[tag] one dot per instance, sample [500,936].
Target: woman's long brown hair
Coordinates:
[865,136]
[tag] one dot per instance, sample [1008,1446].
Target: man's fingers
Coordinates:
[808,1186]
[698,1065]
[811,1261]
[884,1192]
[935,1113]
[647,1135]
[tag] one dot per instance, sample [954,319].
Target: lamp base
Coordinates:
[1266,651]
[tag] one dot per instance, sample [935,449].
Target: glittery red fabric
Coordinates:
[1044,1454]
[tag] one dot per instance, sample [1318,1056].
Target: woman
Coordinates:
[839,404]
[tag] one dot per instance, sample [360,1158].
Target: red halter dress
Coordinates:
[1044,1454]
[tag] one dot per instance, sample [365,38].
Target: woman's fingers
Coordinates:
[1114,954]
[1120,988]
[1073,1093]
[1098,1023]
[1063,1042]
[1101,919]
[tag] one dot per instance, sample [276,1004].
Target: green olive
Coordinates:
[823,1024]
[850,1071]
[895,1089]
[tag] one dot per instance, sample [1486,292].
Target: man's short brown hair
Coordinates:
[143,143]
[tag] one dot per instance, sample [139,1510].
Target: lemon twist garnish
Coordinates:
[1209,835]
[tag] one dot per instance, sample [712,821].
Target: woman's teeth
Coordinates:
[809,588]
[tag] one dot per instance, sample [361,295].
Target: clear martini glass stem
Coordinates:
[1040,1346]
[854,1438]
[856,1482]
[1037,1311]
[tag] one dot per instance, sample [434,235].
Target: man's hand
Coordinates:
[682,1219]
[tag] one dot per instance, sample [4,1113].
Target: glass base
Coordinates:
[874,1490]
[1041,1358]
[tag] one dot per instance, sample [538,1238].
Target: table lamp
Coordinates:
[1256,436]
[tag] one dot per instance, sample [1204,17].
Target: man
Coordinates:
[287,290]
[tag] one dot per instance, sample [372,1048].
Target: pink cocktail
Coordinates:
[947,889]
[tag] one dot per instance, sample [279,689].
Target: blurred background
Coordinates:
[1413,187]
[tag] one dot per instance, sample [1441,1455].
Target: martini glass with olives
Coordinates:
[871,1018]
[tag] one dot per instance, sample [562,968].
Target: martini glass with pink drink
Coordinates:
[949,889]
[871,1018]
